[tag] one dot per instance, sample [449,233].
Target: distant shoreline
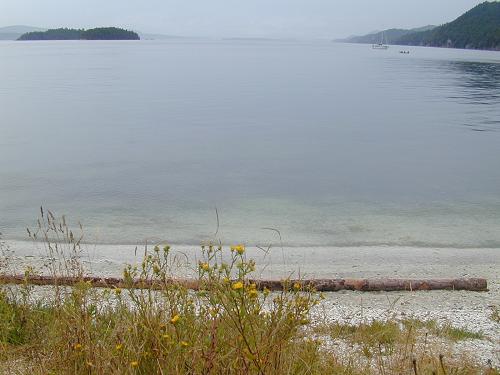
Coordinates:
[422,46]
[476,29]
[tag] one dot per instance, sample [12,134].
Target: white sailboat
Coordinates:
[382,44]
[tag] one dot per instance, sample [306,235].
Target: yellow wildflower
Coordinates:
[238,285]
[253,293]
[204,266]
[118,291]
[175,319]
[240,249]
[297,286]
[77,346]
[166,336]
[134,364]
[184,344]
[119,347]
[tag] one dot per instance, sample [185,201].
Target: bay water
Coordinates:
[186,140]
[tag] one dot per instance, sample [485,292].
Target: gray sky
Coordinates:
[216,18]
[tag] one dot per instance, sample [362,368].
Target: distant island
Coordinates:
[100,33]
[479,28]
[14,32]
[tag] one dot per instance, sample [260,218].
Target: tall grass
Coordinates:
[228,326]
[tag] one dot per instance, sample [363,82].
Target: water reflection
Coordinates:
[479,85]
[479,76]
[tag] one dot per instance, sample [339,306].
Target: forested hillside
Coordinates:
[479,28]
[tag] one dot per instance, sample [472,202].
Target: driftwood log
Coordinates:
[321,285]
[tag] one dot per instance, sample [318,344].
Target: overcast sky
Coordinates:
[245,18]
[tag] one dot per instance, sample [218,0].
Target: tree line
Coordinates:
[101,33]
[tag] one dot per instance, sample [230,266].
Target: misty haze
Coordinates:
[343,146]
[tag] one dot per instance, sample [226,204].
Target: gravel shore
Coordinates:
[462,309]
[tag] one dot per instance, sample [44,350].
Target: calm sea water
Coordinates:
[332,144]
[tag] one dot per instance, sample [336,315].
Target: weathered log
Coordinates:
[97,282]
[387,285]
[321,285]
